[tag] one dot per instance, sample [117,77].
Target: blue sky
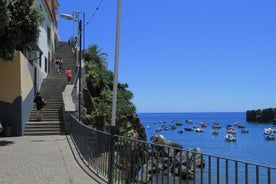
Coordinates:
[187,56]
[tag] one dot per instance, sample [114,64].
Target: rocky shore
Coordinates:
[261,115]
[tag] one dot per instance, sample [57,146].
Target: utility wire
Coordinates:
[94,13]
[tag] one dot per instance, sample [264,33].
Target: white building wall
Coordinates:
[44,44]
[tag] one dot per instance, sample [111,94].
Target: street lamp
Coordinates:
[79,54]
[115,86]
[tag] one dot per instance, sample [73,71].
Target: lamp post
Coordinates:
[79,54]
[115,88]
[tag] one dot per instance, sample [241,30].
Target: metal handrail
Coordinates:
[137,161]
[76,77]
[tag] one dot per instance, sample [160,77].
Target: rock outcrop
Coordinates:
[263,116]
[166,157]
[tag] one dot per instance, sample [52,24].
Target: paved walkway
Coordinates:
[43,160]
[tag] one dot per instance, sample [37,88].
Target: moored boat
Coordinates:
[180,131]
[159,129]
[198,129]
[188,129]
[230,130]
[244,130]
[215,132]
[178,123]
[270,136]
[202,124]
[189,121]
[216,125]
[230,138]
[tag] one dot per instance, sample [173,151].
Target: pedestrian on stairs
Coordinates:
[39,105]
[57,62]
[60,63]
[69,75]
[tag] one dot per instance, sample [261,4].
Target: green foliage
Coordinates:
[100,85]
[19,26]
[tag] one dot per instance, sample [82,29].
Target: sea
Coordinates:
[250,147]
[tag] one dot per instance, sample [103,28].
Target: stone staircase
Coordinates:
[51,90]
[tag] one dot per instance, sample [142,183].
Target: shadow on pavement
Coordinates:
[5,143]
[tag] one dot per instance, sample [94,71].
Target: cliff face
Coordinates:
[263,116]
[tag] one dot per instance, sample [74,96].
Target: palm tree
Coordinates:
[95,55]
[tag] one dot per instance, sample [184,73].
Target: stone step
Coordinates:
[44,128]
[51,90]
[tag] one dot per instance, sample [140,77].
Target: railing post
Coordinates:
[111,155]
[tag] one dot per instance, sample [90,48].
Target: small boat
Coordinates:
[178,123]
[244,130]
[216,125]
[269,131]
[188,129]
[237,123]
[215,132]
[180,131]
[173,127]
[230,130]
[148,127]
[165,128]
[202,124]
[230,138]
[270,136]
[240,126]
[198,129]
[159,129]
[189,121]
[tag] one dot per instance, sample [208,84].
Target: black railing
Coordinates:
[141,162]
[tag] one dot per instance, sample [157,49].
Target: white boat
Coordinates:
[230,138]
[198,129]
[189,121]
[159,129]
[268,131]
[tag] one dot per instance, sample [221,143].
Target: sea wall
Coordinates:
[262,116]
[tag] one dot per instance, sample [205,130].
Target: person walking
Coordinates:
[39,105]
[60,63]
[69,75]
[57,63]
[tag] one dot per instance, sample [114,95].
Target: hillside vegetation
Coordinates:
[98,98]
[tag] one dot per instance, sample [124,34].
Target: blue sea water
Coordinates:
[251,147]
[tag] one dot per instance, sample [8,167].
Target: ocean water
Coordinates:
[251,147]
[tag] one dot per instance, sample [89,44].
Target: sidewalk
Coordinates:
[43,160]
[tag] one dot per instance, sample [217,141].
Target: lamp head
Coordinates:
[67,16]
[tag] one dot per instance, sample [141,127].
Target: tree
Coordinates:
[19,26]
[99,82]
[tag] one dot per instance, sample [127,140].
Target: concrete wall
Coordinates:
[16,94]
[27,90]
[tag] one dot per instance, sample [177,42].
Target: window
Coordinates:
[48,35]
[46,65]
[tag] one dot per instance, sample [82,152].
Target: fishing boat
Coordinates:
[268,131]
[178,123]
[270,136]
[216,125]
[159,129]
[215,132]
[244,130]
[230,130]
[188,129]
[180,131]
[202,124]
[230,138]
[189,121]
[198,129]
